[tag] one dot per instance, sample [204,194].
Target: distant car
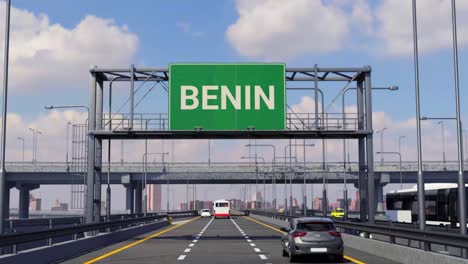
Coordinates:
[205,213]
[337,213]
[308,236]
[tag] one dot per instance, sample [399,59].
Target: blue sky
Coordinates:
[162,40]
[299,33]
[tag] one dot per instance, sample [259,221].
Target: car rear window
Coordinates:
[315,226]
[205,210]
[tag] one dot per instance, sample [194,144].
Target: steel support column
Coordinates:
[6,200]
[89,210]
[4,203]
[370,149]
[129,198]
[138,198]
[98,153]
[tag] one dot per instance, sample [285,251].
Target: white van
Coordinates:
[221,208]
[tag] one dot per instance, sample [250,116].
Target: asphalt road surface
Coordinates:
[236,240]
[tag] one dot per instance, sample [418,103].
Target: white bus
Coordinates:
[221,208]
[441,201]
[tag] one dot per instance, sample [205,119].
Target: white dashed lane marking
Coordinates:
[191,245]
[257,250]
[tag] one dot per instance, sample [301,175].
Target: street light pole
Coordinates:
[66,154]
[441,122]
[381,144]
[272,170]
[256,176]
[37,133]
[33,145]
[290,175]
[420,185]
[22,140]
[4,210]
[461,179]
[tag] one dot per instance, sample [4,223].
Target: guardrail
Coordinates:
[74,232]
[425,239]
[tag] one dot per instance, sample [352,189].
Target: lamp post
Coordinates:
[22,140]
[399,142]
[256,176]
[466,144]
[285,181]
[66,154]
[290,175]
[345,189]
[272,170]
[381,132]
[145,170]
[4,210]
[461,178]
[420,185]
[441,122]
[33,144]
[35,133]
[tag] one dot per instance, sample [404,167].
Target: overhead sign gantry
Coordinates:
[230,101]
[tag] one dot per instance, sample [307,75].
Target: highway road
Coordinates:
[196,240]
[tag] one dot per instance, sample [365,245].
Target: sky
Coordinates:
[54,42]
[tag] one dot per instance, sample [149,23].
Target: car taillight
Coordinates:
[335,233]
[299,234]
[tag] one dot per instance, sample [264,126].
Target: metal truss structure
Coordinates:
[314,125]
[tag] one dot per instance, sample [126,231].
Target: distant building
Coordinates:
[34,203]
[154,197]
[183,207]
[59,206]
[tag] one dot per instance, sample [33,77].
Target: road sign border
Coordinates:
[231,64]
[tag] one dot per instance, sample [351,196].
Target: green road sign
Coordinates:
[227,96]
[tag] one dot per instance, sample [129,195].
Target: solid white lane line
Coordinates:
[187,250]
[181,257]
[262,256]
[257,250]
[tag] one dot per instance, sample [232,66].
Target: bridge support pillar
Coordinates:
[379,196]
[129,198]
[24,191]
[6,197]
[138,198]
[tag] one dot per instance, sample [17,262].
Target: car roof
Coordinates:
[312,219]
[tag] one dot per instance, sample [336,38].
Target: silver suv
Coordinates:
[308,236]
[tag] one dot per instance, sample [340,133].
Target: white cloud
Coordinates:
[434,25]
[44,54]
[276,30]
[186,28]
